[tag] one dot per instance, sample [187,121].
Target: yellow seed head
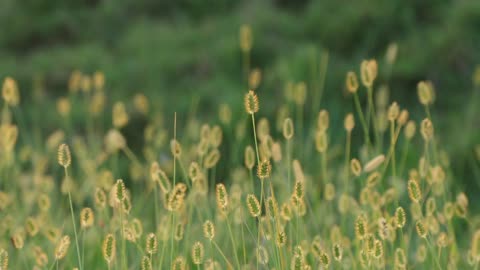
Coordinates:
[18,240]
[337,252]
[146,264]
[249,157]
[253,205]
[355,167]
[211,159]
[64,156]
[297,262]
[425,93]
[86,217]
[373,179]
[286,211]
[368,72]
[119,115]
[209,230]
[31,226]
[351,82]
[222,197]
[400,258]
[324,260]
[403,117]
[288,128]
[246,38]
[476,245]
[329,191]
[421,229]
[321,141]
[264,169]
[114,141]
[254,78]
[197,253]
[361,227]
[10,92]
[108,248]
[262,255]
[349,122]
[151,243]
[378,249]
[179,263]
[393,112]
[100,198]
[400,217]
[323,121]
[119,191]
[3,259]
[281,238]
[410,129]
[374,163]
[62,247]
[251,102]
[414,191]
[426,129]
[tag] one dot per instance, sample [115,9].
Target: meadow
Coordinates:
[300,188]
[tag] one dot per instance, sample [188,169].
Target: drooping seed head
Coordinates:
[251,102]
[64,156]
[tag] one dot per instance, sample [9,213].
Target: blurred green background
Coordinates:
[176,52]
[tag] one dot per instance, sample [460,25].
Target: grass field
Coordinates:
[261,173]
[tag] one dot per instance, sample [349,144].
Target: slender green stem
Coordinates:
[234,245]
[73,222]
[362,120]
[223,255]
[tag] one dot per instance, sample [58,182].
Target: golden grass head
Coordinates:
[421,228]
[146,264]
[246,38]
[321,141]
[271,207]
[209,230]
[197,253]
[62,247]
[351,82]
[109,248]
[3,259]
[64,156]
[222,197]
[10,92]
[251,102]
[86,217]
[119,191]
[378,249]
[427,130]
[337,252]
[288,129]
[400,217]
[329,191]
[151,243]
[114,141]
[18,240]
[368,72]
[414,191]
[254,78]
[179,263]
[355,167]
[253,205]
[425,92]
[393,111]
[400,258]
[119,115]
[349,122]
[298,262]
[281,237]
[262,255]
[323,121]
[374,163]
[410,129]
[402,117]
[361,227]
[211,159]
[31,226]
[264,169]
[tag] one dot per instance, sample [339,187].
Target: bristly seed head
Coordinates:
[64,156]
[251,102]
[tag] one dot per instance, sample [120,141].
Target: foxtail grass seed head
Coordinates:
[18,240]
[425,93]
[414,191]
[355,167]
[349,122]
[324,260]
[323,121]
[421,229]
[249,157]
[151,243]
[254,78]
[410,129]
[253,205]
[374,163]
[329,191]
[361,227]
[251,102]
[281,238]
[297,262]
[400,258]
[10,92]
[31,226]
[475,246]
[426,128]
[351,82]
[400,217]
[160,177]
[146,264]
[175,148]
[86,217]
[197,253]
[100,198]
[119,191]
[179,263]
[378,249]
[179,231]
[262,255]
[64,156]
[403,117]
[321,141]
[3,259]
[337,252]
[62,247]
[222,197]
[211,159]
[246,38]
[264,169]
[209,230]
[373,179]
[271,207]
[368,72]
[108,248]
[288,128]
[393,112]
[114,141]
[119,115]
